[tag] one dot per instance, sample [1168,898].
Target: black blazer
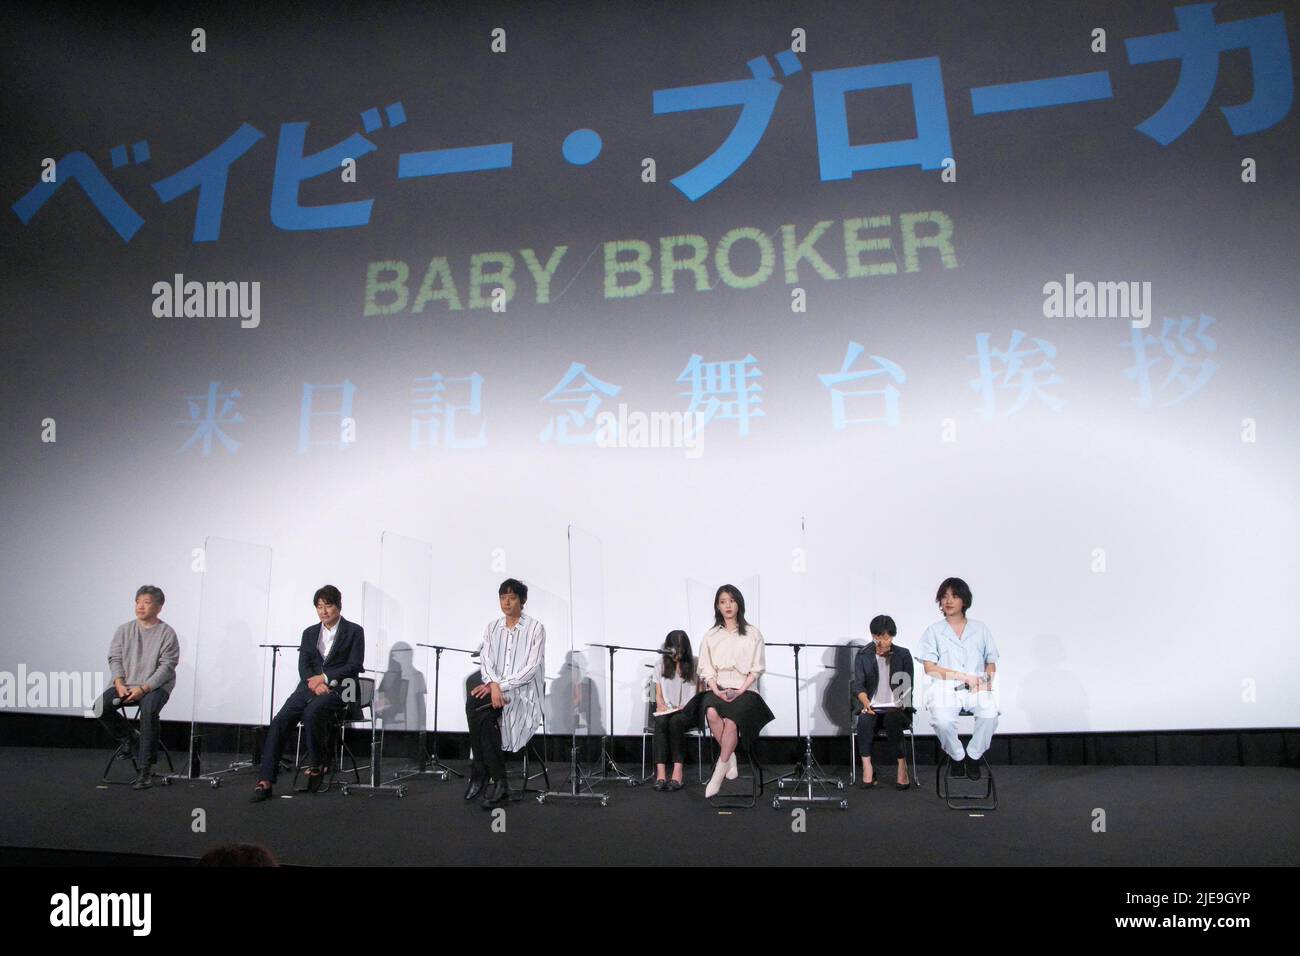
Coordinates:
[346,656]
[866,676]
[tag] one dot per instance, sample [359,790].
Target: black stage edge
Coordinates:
[1256,747]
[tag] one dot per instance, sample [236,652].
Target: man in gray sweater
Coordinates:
[142,660]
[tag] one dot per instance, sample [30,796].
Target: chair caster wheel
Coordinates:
[214,783]
[839,784]
[844,804]
[345,790]
[166,781]
[776,803]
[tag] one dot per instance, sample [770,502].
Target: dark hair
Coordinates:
[154,592]
[238,854]
[329,594]
[679,642]
[960,590]
[736,596]
[511,586]
[883,624]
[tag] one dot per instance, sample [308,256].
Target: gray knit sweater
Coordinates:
[145,656]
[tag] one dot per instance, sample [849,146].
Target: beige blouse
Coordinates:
[729,657]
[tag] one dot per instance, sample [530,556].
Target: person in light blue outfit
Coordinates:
[960,657]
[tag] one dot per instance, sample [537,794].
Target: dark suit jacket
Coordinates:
[866,677]
[346,656]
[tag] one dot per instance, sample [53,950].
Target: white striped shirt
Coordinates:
[514,659]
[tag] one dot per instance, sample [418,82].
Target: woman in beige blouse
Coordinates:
[731,661]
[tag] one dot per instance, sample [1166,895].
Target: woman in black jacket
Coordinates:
[882,684]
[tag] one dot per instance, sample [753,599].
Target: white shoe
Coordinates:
[715,782]
[732,770]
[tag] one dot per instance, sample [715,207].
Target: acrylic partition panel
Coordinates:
[578,700]
[232,672]
[396,627]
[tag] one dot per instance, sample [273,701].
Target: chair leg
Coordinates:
[853,754]
[541,759]
[345,747]
[124,749]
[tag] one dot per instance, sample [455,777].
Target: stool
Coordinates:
[988,800]
[540,754]
[126,750]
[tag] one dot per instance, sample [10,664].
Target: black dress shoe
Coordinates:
[972,768]
[957,768]
[674,785]
[498,796]
[314,777]
[260,794]
[661,785]
[475,787]
[863,785]
[143,779]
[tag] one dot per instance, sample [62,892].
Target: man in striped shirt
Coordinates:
[504,706]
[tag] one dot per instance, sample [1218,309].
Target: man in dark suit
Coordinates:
[329,662]
[882,683]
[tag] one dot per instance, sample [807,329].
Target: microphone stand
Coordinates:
[434,767]
[609,768]
[807,773]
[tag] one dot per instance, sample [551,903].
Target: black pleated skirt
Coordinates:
[749,711]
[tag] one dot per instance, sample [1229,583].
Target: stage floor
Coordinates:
[1161,816]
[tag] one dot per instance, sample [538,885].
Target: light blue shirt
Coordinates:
[968,653]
